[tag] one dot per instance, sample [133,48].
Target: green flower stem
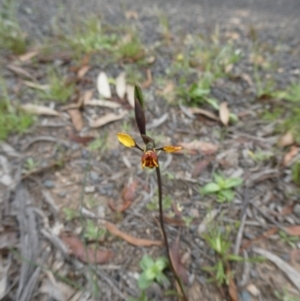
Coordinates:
[162,224]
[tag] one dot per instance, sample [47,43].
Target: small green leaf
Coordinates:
[235,257]
[225,195]
[146,262]
[161,263]
[143,282]
[219,179]
[210,188]
[233,182]
[162,279]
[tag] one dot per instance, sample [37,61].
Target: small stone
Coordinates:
[94,176]
[296,210]
[62,194]
[245,296]
[89,189]
[101,211]
[48,184]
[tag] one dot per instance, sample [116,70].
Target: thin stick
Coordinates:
[162,224]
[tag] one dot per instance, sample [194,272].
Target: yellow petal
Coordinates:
[126,140]
[171,148]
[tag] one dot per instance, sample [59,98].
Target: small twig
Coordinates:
[162,224]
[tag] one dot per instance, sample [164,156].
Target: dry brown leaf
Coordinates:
[224,113]
[290,155]
[204,147]
[83,71]
[131,239]
[20,71]
[87,96]
[231,286]
[76,118]
[176,261]
[205,113]
[265,235]
[169,88]
[147,83]
[39,110]
[286,140]
[81,139]
[28,56]
[293,230]
[130,95]
[199,167]
[103,85]
[110,117]
[85,253]
[127,198]
[121,85]
[102,103]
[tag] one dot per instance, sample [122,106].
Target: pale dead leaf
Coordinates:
[286,140]
[204,147]
[289,271]
[103,85]
[56,290]
[290,155]
[121,85]
[76,118]
[147,83]
[232,286]
[157,121]
[28,56]
[39,110]
[20,71]
[131,239]
[205,113]
[87,96]
[224,113]
[102,103]
[83,71]
[293,230]
[36,85]
[110,117]
[207,220]
[130,95]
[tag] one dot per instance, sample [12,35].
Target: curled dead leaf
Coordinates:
[131,239]
[204,147]
[205,113]
[224,113]
[110,117]
[76,118]
[290,155]
[147,83]
[176,261]
[130,95]
[81,139]
[39,110]
[85,253]
[286,140]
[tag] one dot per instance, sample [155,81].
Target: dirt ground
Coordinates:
[77,211]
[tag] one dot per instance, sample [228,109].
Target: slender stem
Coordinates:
[162,224]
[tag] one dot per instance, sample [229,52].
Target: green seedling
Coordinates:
[260,156]
[130,50]
[12,38]
[166,202]
[31,165]
[152,271]
[289,239]
[219,242]
[92,231]
[285,296]
[222,187]
[187,220]
[98,144]
[142,297]
[89,37]
[70,214]
[12,118]
[57,89]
